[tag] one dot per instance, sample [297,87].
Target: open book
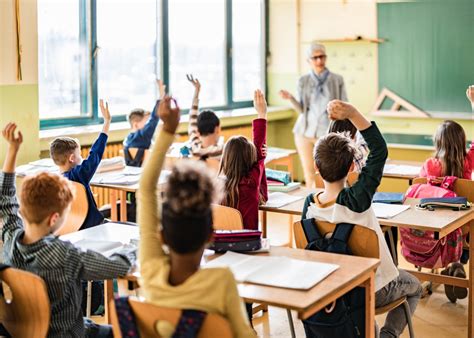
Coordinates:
[383,210]
[276,271]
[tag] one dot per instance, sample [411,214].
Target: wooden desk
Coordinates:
[280,156]
[403,176]
[442,221]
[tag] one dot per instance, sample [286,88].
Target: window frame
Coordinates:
[89,93]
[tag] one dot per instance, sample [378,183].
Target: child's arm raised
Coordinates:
[106,115]
[359,197]
[148,215]
[9,208]
[259,129]
[193,132]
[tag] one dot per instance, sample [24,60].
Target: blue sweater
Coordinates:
[83,174]
[142,138]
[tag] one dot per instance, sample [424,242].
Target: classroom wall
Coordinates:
[19,99]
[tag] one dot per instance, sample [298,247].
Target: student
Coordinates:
[143,126]
[204,128]
[66,153]
[334,156]
[29,244]
[362,151]
[174,279]
[243,168]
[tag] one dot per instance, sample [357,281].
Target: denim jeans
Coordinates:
[94,330]
[405,285]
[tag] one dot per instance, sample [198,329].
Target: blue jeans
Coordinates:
[405,285]
[94,330]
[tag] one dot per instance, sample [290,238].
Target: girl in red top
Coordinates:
[243,166]
[451,157]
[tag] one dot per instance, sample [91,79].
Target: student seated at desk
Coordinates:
[143,126]
[243,168]
[29,244]
[174,278]
[66,154]
[334,156]
[204,128]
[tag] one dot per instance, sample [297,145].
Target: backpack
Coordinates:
[422,248]
[345,317]
[137,161]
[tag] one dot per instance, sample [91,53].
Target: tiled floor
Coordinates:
[435,316]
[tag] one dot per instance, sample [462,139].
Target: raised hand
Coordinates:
[170,116]
[260,104]
[339,110]
[105,110]
[161,88]
[285,95]
[470,94]
[195,83]
[8,134]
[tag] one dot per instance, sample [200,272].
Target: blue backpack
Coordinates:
[345,318]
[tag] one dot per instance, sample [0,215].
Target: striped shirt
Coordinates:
[60,264]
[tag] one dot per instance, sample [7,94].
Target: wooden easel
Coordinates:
[398,102]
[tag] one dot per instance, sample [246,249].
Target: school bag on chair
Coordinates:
[421,247]
[346,316]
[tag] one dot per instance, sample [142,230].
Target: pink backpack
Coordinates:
[420,247]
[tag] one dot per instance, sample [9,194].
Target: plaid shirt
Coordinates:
[360,157]
[60,264]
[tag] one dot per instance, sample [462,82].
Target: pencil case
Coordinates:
[388,197]
[236,235]
[455,203]
[278,175]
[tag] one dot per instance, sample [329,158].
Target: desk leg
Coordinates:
[470,314]
[108,296]
[113,205]
[290,232]
[369,285]
[123,206]
[264,224]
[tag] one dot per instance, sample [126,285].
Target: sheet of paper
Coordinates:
[401,169]
[383,210]
[279,199]
[44,162]
[274,270]
[28,169]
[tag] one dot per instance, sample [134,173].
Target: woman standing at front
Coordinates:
[315,90]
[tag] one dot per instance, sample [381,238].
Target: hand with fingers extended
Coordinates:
[339,110]
[170,116]
[285,95]
[161,88]
[8,133]
[196,84]
[104,110]
[260,104]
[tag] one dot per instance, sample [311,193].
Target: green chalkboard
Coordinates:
[428,57]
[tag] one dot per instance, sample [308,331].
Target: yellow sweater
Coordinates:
[212,290]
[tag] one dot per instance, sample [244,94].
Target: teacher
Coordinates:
[315,90]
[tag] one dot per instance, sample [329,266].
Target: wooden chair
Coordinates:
[78,212]
[147,317]
[226,218]
[352,177]
[24,308]
[364,243]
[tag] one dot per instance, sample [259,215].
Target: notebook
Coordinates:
[401,169]
[276,271]
[284,188]
[279,199]
[383,210]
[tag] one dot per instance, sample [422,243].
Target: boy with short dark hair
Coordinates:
[66,154]
[204,128]
[334,156]
[29,244]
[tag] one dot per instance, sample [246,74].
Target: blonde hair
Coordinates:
[238,158]
[450,145]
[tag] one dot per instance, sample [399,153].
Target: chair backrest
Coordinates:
[226,218]
[363,241]
[352,177]
[24,308]
[148,315]
[462,187]
[78,212]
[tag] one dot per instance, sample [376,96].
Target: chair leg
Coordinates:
[408,315]
[290,321]
[393,247]
[89,299]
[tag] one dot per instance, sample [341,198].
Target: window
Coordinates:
[116,49]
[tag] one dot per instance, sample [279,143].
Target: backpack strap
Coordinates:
[342,232]
[126,318]
[189,323]
[310,230]
[309,199]
[137,160]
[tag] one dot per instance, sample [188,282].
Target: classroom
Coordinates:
[237,168]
